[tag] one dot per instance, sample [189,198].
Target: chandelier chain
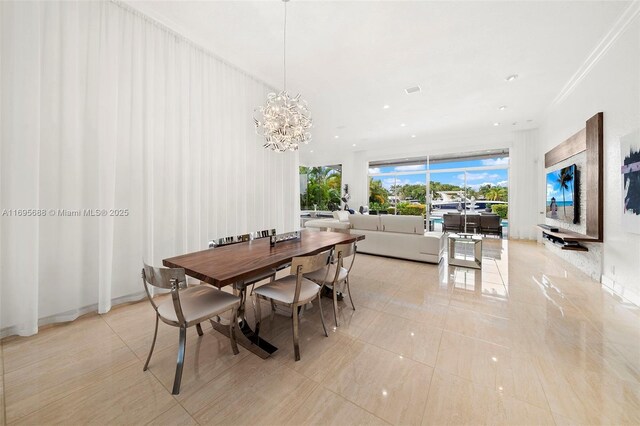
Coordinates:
[284,121]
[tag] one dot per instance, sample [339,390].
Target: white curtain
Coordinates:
[102,108]
[523,186]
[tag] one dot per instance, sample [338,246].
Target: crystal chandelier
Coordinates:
[285,120]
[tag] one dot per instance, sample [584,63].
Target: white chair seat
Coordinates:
[319,275]
[199,302]
[283,289]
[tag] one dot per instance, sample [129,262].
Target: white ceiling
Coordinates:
[349,58]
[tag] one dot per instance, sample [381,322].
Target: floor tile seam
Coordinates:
[481,313]
[510,349]
[402,355]
[196,412]
[169,409]
[121,339]
[31,363]
[497,392]
[433,372]
[394,353]
[573,390]
[611,344]
[501,275]
[123,366]
[408,320]
[544,392]
[216,376]
[352,402]
[316,385]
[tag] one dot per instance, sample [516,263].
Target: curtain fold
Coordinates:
[104,109]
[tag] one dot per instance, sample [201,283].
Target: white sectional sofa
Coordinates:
[403,237]
[398,236]
[340,222]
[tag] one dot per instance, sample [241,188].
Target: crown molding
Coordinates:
[619,27]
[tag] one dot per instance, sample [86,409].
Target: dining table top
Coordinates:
[224,265]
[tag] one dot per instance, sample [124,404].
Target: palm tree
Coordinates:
[564,179]
[377,192]
[496,193]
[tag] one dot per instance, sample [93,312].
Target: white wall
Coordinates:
[611,85]
[523,149]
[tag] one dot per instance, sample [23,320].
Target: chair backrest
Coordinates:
[305,264]
[342,252]
[263,234]
[451,219]
[490,221]
[166,278]
[473,219]
[225,241]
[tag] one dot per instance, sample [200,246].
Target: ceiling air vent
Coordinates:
[414,89]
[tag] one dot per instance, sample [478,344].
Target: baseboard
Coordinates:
[68,316]
[620,290]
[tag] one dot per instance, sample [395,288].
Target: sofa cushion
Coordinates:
[327,223]
[366,222]
[341,215]
[403,224]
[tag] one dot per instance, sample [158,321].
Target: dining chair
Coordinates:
[473,223]
[491,224]
[451,222]
[295,291]
[337,275]
[188,306]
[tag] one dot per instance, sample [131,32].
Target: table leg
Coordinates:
[246,338]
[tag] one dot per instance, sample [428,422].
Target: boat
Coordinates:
[453,201]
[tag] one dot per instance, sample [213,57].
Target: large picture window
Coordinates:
[320,187]
[434,185]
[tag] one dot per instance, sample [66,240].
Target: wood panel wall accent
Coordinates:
[572,146]
[594,177]
[589,139]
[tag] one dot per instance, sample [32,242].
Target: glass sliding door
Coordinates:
[468,185]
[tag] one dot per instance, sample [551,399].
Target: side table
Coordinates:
[465,250]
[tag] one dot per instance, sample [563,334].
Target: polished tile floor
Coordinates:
[528,340]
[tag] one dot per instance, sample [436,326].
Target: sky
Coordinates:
[475,178]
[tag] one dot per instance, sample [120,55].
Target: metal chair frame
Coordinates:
[174,279]
[342,251]
[301,265]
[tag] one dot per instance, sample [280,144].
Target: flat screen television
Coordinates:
[562,194]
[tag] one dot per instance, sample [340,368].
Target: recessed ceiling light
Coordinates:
[502,107]
[402,125]
[511,77]
[413,136]
[353,144]
[311,151]
[496,124]
[337,137]
[385,107]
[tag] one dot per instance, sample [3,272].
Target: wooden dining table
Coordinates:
[235,263]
